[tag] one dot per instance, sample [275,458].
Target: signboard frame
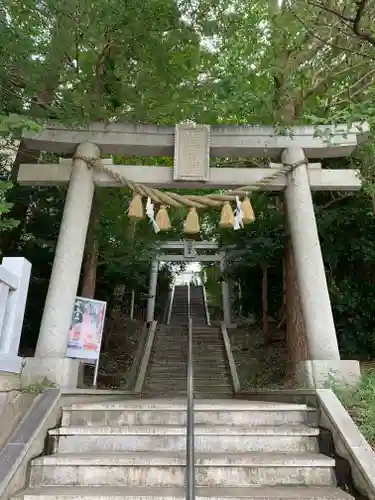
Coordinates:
[86,332]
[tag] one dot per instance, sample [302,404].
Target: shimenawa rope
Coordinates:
[243,212]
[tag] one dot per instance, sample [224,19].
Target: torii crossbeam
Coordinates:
[193,146]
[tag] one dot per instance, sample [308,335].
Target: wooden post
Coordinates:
[132,305]
[265,302]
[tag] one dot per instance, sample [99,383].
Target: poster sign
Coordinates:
[86,330]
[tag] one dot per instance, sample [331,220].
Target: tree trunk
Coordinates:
[90,264]
[289,107]
[118,295]
[297,346]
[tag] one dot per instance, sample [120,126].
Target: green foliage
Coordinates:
[39,387]
[5,207]
[360,403]
[14,124]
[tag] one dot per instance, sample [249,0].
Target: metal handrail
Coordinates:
[230,358]
[146,357]
[190,460]
[188,303]
[171,304]
[208,320]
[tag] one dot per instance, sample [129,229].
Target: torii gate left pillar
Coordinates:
[50,361]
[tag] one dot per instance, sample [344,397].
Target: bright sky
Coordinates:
[191,268]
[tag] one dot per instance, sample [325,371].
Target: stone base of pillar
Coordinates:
[324,373]
[60,371]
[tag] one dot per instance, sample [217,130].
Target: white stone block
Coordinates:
[19,270]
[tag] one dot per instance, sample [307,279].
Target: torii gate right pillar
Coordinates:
[324,357]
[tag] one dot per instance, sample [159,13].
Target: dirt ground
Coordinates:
[260,364]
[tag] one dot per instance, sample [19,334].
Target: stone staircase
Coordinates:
[180,310]
[135,450]
[179,314]
[167,369]
[197,307]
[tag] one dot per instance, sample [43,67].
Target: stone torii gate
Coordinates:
[191,252]
[192,146]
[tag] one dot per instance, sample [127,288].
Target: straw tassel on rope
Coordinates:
[162,219]
[227,216]
[248,212]
[191,224]
[136,208]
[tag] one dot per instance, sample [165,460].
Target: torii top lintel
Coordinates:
[325,141]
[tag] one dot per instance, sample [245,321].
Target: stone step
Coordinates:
[182,385]
[215,413]
[166,357]
[211,392]
[181,372]
[206,330]
[203,350]
[199,395]
[198,347]
[160,393]
[219,365]
[198,381]
[171,341]
[221,439]
[207,342]
[199,375]
[206,350]
[172,328]
[203,493]
[183,331]
[168,340]
[199,371]
[184,342]
[200,351]
[168,469]
[179,363]
[212,389]
[212,361]
[174,344]
[197,367]
[182,369]
[182,365]
[169,352]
